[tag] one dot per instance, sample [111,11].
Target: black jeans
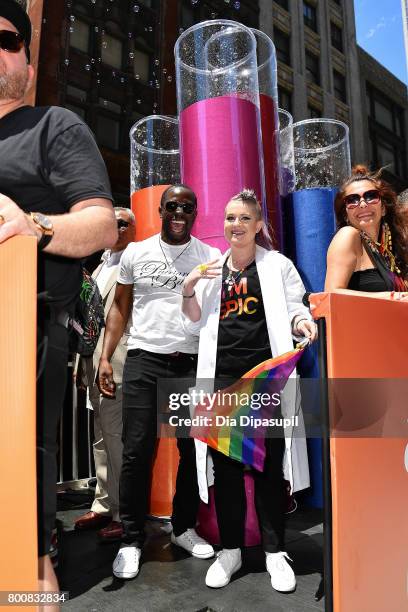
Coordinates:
[52,360]
[141,372]
[230,498]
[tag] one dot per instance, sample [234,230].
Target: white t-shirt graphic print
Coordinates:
[157,271]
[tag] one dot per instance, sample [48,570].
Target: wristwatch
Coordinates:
[45,225]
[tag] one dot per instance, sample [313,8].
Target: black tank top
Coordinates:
[368,280]
[373,279]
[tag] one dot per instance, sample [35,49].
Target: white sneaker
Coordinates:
[126,563]
[228,562]
[282,576]
[193,544]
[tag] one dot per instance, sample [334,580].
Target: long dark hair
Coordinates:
[263,237]
[394,213]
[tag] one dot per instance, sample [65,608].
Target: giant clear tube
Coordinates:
[286,152]
[154,165]
[268,99]
[219,114]
[322,153]
[322,162]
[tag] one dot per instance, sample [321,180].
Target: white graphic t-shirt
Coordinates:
[157,271]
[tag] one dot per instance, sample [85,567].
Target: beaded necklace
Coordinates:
[384,247]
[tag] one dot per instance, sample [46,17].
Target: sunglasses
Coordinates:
[370,197]
[122,223]
[10,41]
[171,207]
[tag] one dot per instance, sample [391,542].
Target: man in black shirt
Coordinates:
[53,185]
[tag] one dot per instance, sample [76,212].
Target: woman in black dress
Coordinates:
[369,252]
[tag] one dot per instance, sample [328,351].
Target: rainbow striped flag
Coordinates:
[229,425]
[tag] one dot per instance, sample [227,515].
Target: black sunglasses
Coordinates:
[10,41]
[372,196]
[122,223]
[187,207]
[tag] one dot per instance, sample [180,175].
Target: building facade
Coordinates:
[385,128]
[112,62]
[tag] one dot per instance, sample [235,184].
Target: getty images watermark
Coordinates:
[341,408]
[227,409]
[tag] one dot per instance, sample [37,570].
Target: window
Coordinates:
[79,35]
[285,99]
[314,113]
[386,157]
[187,16]
[336,37]
[310,16]
[109,105]
[283,3]
[339,83]
[368,102]
[383,115]
[76,92]
[282,46]
[399,123]
[386,122]
[108,132]
[312,68]
[141,65]
[112,51]
[384,111]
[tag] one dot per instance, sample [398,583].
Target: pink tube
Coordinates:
[219,119]
[219,157]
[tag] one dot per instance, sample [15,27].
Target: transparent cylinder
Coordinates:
[286,152]
[268,99]
[154,165]
[322,153]
[220,129]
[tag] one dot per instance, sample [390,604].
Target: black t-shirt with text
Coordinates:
[243,340]
[49,161]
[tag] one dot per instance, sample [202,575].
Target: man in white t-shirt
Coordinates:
[150,283]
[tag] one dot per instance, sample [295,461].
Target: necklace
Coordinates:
[384,247]
[171,263]
[232,277]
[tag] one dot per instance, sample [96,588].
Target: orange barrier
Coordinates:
[145,204]
[18,525]
[367,338]
[164,476]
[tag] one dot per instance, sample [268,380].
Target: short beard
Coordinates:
[13,86]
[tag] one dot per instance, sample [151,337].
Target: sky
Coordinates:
[380,33]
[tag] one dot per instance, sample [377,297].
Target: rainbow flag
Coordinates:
[229,426]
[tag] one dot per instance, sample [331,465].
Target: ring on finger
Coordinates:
[202,268]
